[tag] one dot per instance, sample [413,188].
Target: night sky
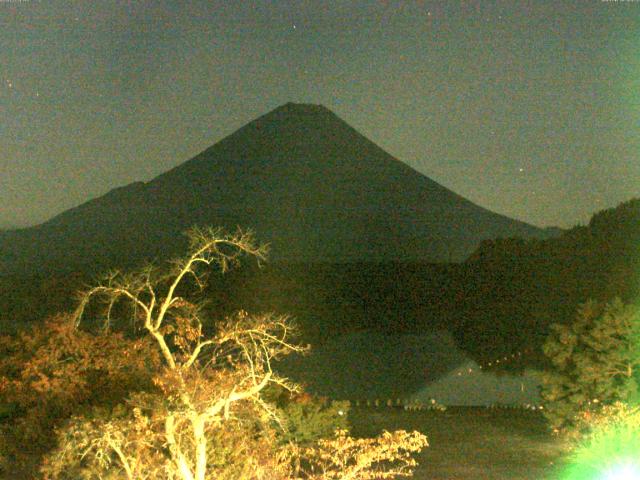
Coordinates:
[528,108]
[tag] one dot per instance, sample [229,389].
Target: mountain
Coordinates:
[299,176]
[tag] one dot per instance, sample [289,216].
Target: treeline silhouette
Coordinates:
[514,289]
[501,300]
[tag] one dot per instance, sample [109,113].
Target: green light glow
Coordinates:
[624,471]
[612,451]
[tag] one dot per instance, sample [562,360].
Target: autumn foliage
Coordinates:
[347,458]
[54,370]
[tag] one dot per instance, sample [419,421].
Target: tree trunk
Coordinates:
[201,447]
[183,469]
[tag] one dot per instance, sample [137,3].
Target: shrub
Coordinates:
[306,418]
[54,370]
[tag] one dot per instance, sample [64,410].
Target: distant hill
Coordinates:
[499,302]
[509,291]
[303,179]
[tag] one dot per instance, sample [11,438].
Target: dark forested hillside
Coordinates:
[513,289]
[500,300]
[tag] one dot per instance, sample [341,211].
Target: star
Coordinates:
[521,169]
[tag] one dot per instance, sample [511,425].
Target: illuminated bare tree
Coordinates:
[207,417]
[204,379]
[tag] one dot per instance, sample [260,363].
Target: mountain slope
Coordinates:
[304,180]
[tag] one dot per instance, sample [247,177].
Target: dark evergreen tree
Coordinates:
[595,362]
